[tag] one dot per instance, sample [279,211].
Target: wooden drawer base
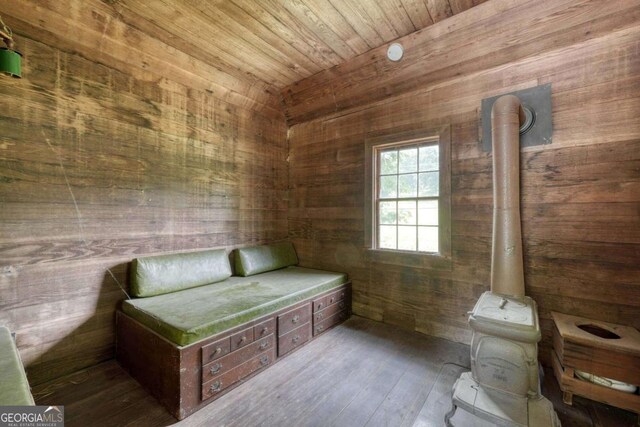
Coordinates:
[185,379]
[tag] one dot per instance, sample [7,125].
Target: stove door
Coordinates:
[502,364]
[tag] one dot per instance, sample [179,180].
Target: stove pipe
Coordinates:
[507,273]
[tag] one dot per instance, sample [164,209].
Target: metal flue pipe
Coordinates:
[507,273]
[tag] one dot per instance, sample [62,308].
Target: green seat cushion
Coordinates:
[260,259]
[14,387]
[157,275]
[192,315]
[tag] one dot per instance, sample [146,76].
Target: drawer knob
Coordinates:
[320,315]
[320,328]
[264,330]
[342,304]
[215,368]
[295,339]
[332,300]
[243,339]
[319,305]
[264,360]
[264,345]
[295,319]
[215,353]
[216,386]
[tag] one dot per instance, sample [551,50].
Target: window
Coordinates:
[408,200]
[407,178]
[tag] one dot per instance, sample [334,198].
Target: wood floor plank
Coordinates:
[307,385]
[373,354]
[396,407]
[360,373]
[370,399]
[344,383]
[438,402]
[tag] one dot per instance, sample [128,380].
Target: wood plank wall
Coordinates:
[115,145]
[580,195]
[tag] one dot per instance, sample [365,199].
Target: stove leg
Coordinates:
[449,415]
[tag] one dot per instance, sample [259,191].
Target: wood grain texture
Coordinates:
[322,384]
[495,34]
[118,144]
[580,195]
[276,43]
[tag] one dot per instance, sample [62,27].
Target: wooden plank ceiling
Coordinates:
[279,42]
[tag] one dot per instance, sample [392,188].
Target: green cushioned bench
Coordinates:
[191,315]
[14,387]
[194,331]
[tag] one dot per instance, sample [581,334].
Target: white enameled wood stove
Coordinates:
[503,386]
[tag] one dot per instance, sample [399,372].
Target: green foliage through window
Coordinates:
[408,189]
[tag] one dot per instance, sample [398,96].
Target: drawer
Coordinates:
[241,339]
[325,301]
[329,311]
[293,319]
[328,322]
[216,385]
[224,364]
[215,350]
[265,328]
[335,297]
[294,339]
[319,304]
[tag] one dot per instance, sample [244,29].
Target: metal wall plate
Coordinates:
[537,99]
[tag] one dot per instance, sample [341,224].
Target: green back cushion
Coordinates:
[156,275]
[259,259]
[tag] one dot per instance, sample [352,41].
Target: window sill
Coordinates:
[433,261]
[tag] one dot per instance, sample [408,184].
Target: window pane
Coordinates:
[407,238]
[408,160]
[429,184]
[388,237]
[388,213]
[428,239]
[388,187]
[407,212]
[407,185]
[428,212]
[388,162]
[429,158]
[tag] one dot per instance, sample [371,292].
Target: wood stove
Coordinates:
[503,386]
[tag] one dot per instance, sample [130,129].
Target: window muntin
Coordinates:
[407,196]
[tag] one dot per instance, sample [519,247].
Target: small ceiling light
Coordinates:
[10,59]
[395,52]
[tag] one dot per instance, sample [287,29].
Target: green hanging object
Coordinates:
[10,59]
[10,62]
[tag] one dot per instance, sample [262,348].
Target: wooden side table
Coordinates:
[603,349]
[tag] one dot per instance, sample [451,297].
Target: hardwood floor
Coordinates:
[360,373]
